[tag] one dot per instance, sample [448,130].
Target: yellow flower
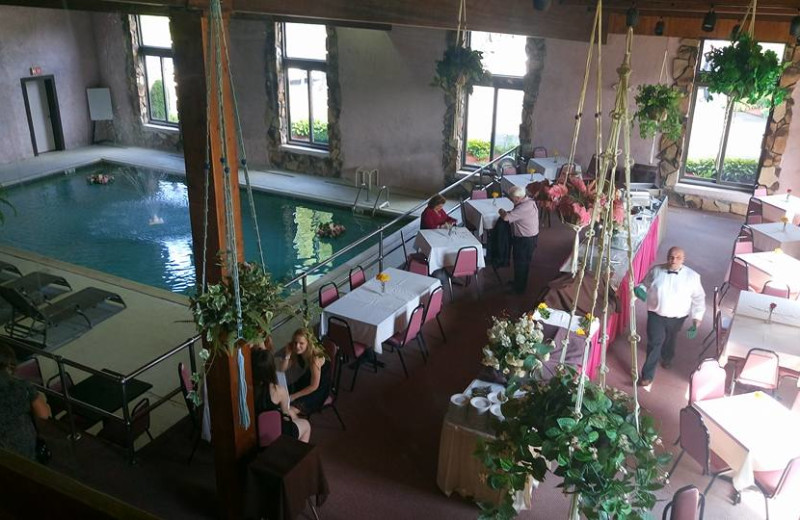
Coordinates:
[580,331]
[784,219]
[589,316]
[778,250]
[495,194]
[542,306]
[383,277]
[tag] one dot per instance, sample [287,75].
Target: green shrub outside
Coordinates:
[735,170]
[300,129]
[478,148]
[157,103]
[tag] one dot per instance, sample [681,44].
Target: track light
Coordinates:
[710,20]
[632,17]
[541,5]
[658,30]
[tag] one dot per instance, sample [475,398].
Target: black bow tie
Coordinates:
[672,272]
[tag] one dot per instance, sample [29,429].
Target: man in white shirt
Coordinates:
[673,292]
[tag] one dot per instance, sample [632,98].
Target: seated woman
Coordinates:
[269,395]
[434,216]
[20,403]
[313,382]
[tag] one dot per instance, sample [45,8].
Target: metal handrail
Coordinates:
[378,198]
[358,194]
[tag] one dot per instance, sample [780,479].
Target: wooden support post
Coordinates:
[190,31]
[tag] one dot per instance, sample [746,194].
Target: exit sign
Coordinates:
[35,71]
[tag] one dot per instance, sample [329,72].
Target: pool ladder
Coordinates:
[375,206]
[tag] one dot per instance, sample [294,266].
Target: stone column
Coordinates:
[536,50]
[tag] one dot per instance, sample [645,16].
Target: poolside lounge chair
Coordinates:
[8,271]
[40,286]
[28,319]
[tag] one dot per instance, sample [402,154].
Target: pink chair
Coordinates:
[539,151]
[707,381]
[339,332]
[268,426]
[357,277]
[336,375]
[434,308]
[194,408]
[694,440]
[755,212]
[29,370]
[57,404]
[738,276]
[688,503]
[773,483]
[415,262]
[115,432]
[328,294]
[719,327]
[760,192]
[745,234]
[742,247]
[796,404]
[466,266]
[760,370]
[779,289]
[478,194]
[400,340]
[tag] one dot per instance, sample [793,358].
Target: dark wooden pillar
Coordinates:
[231,442]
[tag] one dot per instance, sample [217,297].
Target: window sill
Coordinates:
[161,128]
[713,193]
[304,150]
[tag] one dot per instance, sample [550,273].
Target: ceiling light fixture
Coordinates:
[710,20]
[658,30]
[632,16]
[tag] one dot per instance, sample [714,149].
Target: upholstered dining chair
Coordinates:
[755,211]
[745,234]
[539,152]
[694,440]
[688,503]
[412,332]
[114,431]
[268,427]
[774,483]
[414,262]
[760,370]
[335,357]
[738,276]
[707,381]
[357,277]
[466,266]
[779,289]
[29,370]
[339,332]
[719,327]
[434,308]
[328,294]
[195,409]
[478,194]
[760,192]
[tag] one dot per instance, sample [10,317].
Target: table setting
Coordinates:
[775,266]
[483,214]
[777,235]
[441,246]
[778,205]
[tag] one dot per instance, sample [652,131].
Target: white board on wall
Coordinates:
[100,104]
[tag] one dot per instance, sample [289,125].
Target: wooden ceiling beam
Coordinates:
[690,27]
[156,7]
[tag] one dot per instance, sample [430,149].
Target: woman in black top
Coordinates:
[269,395]
[312,387]
[19,404]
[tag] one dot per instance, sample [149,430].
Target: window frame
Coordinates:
[143,52]
[309,66]
[717,179]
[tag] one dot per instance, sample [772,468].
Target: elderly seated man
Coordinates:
[524,220]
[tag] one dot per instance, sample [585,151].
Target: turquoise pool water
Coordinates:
[138,226]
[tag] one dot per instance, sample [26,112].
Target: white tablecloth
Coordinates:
[484,213]
[375,316]
[441,246]
[775,206]
[549,166]
[751,432]
[768,237]
[509,181]
[778,267]
[749,329]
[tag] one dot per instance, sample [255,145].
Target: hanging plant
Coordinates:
[460,66]
[744,72]
[658,110]
[261,300]
[598,453]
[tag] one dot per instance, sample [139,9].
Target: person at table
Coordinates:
[524,220]
[434,216]
[673,292]
[309,370]
[269,395]
[20,404]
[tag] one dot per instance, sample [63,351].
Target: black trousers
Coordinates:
[661,335]
[523,248]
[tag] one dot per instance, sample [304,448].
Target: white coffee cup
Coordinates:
[479,408]
[458,406]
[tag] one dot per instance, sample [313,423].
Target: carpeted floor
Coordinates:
[384,464]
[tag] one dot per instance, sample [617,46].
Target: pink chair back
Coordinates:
[779,289]
[707,382]
[478,194]
[759,192]
[339,333]
[539,151]
[791,477]
[417,265]
[760,369]
[740,274]
[742,247]
[694,436]
[328,294]
[414,324]
[466,262]
[357,277]
[754,211]
[186,378]
[29,370]
[269,427]
[687,504]
[434,304]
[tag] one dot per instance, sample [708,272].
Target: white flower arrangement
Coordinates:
[516,348]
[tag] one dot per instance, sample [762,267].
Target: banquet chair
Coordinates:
[695,440]
[760,192]
[30,370]
[738,277]
[467,224]
[466,266]
[268,427]
[412,332]
[755,212]
[434,308]
[539,152]
[357,277]
[745,234]
[779,289]
[796,403]
[478,195]
[328,294]
[195,409]
[57,403]
[707,381]
[414,262]
[760,370]
[339,332]
[335,356]
[773,483]
[115,432]
[688,503]
[719,326]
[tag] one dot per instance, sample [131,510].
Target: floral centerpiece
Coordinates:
[495,194]
[330,230]
[585,324]
[545,194]
[516,348]
[772,307]
[784,221]
[543,310]
[383,278]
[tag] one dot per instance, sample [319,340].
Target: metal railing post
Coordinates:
[380,250]
[126,417]
[306,312]
[73,435]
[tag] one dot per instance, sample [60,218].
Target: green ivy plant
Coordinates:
[460,66]
[658,110]
[214,311]
[743,71]
[599,453]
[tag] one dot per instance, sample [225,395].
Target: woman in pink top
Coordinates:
[435,216]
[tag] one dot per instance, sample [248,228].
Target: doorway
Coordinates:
[44,117]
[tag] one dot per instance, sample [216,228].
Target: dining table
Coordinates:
[105,392]
[776,206]
[376,314]
[754,326]
[777,235]
[522,180]
[483,214]
[567,328]
[549,166]
[442,245]
[750,432]
[772,265]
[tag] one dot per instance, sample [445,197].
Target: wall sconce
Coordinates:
[541,5]
[658,30]
[710,20]
[632,16]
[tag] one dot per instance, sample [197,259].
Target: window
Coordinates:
[305,73]
[155,49]
[494,112]
[719,153]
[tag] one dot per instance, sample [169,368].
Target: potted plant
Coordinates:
[658,110]
[460,67]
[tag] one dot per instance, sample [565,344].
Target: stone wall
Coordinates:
[536,50]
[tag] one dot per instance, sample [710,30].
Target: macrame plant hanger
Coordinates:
[661,76]
[461,29]
[216,46]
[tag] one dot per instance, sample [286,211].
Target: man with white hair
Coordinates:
[524,220]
